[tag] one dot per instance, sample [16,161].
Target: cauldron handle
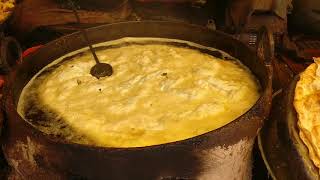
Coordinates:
[10,54]
[265,45]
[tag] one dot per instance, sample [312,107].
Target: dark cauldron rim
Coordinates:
[263,102]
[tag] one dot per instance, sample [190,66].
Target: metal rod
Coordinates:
[84,33]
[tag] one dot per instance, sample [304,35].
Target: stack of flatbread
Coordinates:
[6,7]
[307,105]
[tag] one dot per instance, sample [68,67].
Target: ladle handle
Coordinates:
[10,54]
[83,31]
[265,45]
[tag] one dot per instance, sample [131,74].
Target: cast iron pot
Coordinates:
[283,151]
[224,153]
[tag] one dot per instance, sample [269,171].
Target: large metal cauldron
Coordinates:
[283,151]
[224,153]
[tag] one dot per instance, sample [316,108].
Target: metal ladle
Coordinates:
[99,69]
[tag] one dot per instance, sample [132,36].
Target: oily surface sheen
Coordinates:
[307,105]
[158,93]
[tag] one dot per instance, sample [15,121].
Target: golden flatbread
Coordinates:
[307,105]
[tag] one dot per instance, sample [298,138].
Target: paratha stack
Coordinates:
[6,7]
[307,105]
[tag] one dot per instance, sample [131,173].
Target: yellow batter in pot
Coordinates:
[159,93]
